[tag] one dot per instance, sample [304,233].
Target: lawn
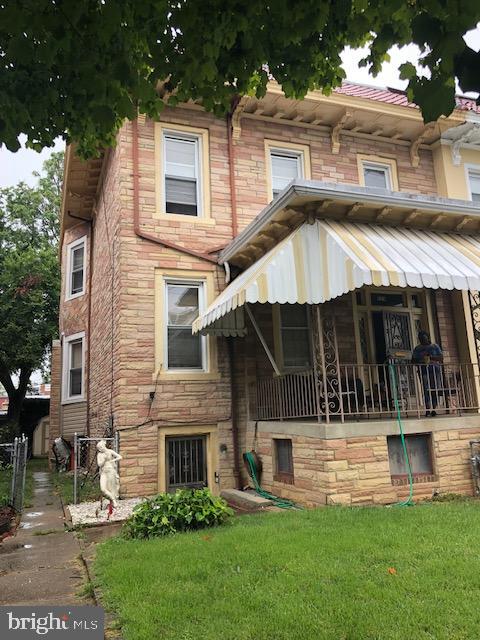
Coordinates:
[334,573]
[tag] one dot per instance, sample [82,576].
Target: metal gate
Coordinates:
[186,463]
[86,479]
[18,451]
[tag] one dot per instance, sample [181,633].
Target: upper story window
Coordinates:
[285,167]
[75,282]
[295,336]
[182,174]
[73,367]
[474,184]
[377,175]
[184,301]
[377,172]
[285,161]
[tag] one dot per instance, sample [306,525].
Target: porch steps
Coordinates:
[247,500]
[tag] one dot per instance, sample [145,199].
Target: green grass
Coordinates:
[89,489]
[321,574]
[36,464]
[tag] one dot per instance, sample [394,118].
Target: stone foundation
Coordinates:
[356,470]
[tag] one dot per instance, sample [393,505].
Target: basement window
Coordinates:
[419,449]
[283,460]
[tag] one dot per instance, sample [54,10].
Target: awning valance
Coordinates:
[326,259]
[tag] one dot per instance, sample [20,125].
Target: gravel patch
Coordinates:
[91,513]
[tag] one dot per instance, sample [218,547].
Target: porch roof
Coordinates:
[324,260]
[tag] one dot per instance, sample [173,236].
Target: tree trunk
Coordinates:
[16,398]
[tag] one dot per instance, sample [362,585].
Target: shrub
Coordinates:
[168,513]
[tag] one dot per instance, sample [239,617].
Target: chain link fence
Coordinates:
[13,465]
[86,477]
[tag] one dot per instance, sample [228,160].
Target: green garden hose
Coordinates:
[282,503]
[408,502]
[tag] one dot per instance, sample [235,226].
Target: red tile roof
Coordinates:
[396,96]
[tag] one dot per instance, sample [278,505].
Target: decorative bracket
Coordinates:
[415,145]
[237,117]
[336,129]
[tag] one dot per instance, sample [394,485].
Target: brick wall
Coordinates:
[55,391]
[122,340]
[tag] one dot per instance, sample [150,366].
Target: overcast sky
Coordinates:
[15,167]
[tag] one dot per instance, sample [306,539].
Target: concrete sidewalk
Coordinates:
[41,564]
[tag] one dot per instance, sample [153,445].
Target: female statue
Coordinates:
[107,464]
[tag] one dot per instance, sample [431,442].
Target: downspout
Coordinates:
[136,209]
[235,439]
[231,173]
[231,166]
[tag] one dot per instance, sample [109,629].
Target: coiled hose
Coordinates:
[282,503]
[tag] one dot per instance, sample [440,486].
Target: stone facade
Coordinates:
[126,386]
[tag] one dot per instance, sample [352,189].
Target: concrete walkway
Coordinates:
[41,563]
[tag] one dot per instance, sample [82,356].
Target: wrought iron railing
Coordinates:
[365,391]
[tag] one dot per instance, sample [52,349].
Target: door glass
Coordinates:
[186,463]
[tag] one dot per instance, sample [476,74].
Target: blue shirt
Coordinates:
[422,350]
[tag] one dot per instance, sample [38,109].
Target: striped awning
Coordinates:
[324,260]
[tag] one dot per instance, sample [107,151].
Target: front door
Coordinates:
[186,463]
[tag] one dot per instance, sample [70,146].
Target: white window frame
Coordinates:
[67,340]
[201,285]
[68,280]
[190,137]
[471,169]
[378,166]
[291,153]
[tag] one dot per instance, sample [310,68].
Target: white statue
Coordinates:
[107,464]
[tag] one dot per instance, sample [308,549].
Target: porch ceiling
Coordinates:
[326,259]
[307,200]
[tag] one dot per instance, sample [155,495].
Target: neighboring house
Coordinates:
[241,283]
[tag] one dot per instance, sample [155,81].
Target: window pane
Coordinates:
[418,448]
[285,168]
[474,179]
[180,157]
[75,382]
[284,456]
[184,349]
[296,348]
[375,177]
[76,355]
[77,282]
[77,258]
[388,299]
[182,304]
[184,191]
[295,335]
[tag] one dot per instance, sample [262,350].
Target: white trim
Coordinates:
[471,168]
[378,166]
[66,398]
[201,285]
[189,137]
[68,277]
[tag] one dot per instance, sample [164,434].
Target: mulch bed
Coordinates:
[7,521]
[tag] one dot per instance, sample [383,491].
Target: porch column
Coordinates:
[326,363]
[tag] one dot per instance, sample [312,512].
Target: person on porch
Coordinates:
[429,357]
